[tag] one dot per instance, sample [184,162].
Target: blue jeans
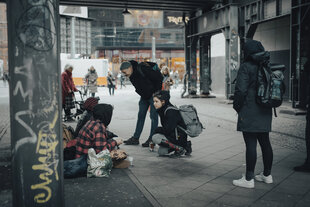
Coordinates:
[143,107]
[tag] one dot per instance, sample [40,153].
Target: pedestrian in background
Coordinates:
[147,79]
[305,167]
[122,80]
[68,89]
[91,81]
[167,81]
[111,84]
[254,121]
[175,78]
[89,105]
[169,137]
[5,78]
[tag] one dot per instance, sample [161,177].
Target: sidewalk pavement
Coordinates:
[203,179]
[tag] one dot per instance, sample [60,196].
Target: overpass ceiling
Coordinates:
[172,5]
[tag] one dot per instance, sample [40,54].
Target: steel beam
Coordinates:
[214,21]
[205,64]
[192,81]
[231,55]
[224,19]
[187,56]
[35,106]
[160,5]
[300,43]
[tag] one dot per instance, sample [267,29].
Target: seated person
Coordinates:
[94,133]
[169,137]
[89,105]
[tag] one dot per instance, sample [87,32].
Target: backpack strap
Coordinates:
[176,129]
[275,112]
[170,107]
[178,126]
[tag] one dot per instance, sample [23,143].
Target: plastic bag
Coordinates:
[99,165]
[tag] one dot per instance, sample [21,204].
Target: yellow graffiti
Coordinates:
[46,146]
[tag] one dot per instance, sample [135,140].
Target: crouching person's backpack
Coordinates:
[190,117]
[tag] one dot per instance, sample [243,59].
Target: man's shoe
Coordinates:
[303,168]
[146,143]
[131,141]
[244,183]
[262,178]
[188,148]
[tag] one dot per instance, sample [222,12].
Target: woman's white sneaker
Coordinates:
[262,178]
[244,183]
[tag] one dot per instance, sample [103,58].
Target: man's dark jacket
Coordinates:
[145,79]
[251,116]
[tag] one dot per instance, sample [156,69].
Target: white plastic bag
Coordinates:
[99,165]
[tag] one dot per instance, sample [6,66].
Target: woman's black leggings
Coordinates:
[250,139]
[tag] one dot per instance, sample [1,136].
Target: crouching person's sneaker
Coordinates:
[188,148]
[178,153]
[244,183]
[131,141]
[262,178]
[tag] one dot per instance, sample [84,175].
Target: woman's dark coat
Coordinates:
[251,116]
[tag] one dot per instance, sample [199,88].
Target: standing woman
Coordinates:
[111,83]
[254,121]
[167,81]
[169,137]
[91,80]
[68,89]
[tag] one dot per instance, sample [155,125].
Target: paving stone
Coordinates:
[218,188]
[283,198]
[179,202]
[253,194]
[268,203]
[234,200]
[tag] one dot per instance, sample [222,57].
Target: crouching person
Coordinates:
[169,137]
[94,133]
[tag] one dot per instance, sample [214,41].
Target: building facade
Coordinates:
[119,37]
[81,35]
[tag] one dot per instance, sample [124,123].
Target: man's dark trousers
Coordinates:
[143,107]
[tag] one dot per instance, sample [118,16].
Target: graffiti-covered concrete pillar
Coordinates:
[231,35]
[192,83]
[205,64]
[35,105]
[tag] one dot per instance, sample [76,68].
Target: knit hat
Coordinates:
[90,103]
[125,65]
[103,112]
